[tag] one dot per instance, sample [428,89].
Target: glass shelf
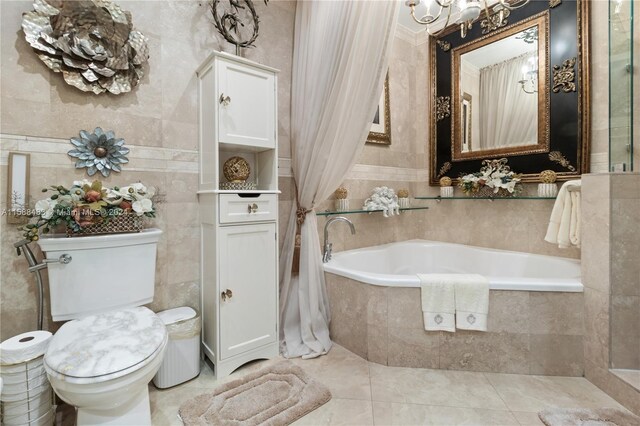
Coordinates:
[335,213]
[462,197]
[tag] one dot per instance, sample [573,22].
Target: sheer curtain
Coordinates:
[508,115]
[339,63]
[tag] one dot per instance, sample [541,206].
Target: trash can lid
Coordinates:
[175,315]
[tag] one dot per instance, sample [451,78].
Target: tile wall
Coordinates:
[158,120]
[612,280]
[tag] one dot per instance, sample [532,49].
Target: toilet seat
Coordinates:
[106,346]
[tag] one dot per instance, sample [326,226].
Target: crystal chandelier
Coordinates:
[469,11]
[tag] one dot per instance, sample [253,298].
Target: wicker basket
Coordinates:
[486,192]
[121,224]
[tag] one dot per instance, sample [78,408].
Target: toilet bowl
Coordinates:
[103,363]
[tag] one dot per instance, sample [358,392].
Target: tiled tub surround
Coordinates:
[529,332]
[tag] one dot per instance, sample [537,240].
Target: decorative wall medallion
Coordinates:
[557,157]
[444,169]
[443,107]
[529,36]
[495,21]
[238,23]
[564,76]
[99,151]
[91,42]
[444,45]
[554,3]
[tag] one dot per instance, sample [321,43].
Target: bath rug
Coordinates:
[276,395]
[588,417]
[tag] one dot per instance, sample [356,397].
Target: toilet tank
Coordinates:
[106,272]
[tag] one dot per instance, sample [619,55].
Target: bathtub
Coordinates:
[396,265]
[535,320]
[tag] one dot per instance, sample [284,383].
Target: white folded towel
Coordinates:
[438,301]
[472,302]
[564,224]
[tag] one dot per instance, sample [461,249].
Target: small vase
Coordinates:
[547,190]
[342,204]
[403,203]
[446,191]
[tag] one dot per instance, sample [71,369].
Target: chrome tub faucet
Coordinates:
[327,246]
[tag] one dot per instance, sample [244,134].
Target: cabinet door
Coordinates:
[248,269]
[246,105]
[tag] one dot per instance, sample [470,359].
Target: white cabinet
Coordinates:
[239,242]
[247,115]
[247,317]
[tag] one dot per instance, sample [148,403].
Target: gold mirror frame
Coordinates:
[557,158]
[383,138]
[540,20]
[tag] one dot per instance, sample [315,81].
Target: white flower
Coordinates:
[125,193]
[81,183]
[45,208]
[142,206]
[511,186]
[65,200]
[113,197]
[136,191]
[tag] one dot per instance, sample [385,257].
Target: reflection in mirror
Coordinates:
[501,96]
[502,78]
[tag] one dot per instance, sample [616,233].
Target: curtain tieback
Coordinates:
[301,214]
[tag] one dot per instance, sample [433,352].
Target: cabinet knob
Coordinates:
[227,294]
[224,100]
[252,208]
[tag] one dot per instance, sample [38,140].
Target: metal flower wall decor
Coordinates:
[99,151]
[91,42]
[238,23]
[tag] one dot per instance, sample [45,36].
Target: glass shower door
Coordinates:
[621,72]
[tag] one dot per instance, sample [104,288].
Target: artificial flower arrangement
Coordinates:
[495,178]
[88,207]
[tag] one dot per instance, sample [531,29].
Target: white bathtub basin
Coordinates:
[397,265]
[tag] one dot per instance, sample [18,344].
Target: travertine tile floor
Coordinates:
[365,393]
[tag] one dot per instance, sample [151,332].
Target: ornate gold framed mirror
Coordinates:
[516,88]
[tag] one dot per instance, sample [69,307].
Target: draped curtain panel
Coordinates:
[340,60]
[508,115]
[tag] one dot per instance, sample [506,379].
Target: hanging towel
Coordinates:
[472,302]
[564,224]
[438,301]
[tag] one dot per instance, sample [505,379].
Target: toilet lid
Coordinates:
[106,343]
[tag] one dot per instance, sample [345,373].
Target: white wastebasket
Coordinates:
[182,358]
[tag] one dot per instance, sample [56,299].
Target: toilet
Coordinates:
[102,359]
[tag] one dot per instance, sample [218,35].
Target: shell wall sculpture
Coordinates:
[91,42]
